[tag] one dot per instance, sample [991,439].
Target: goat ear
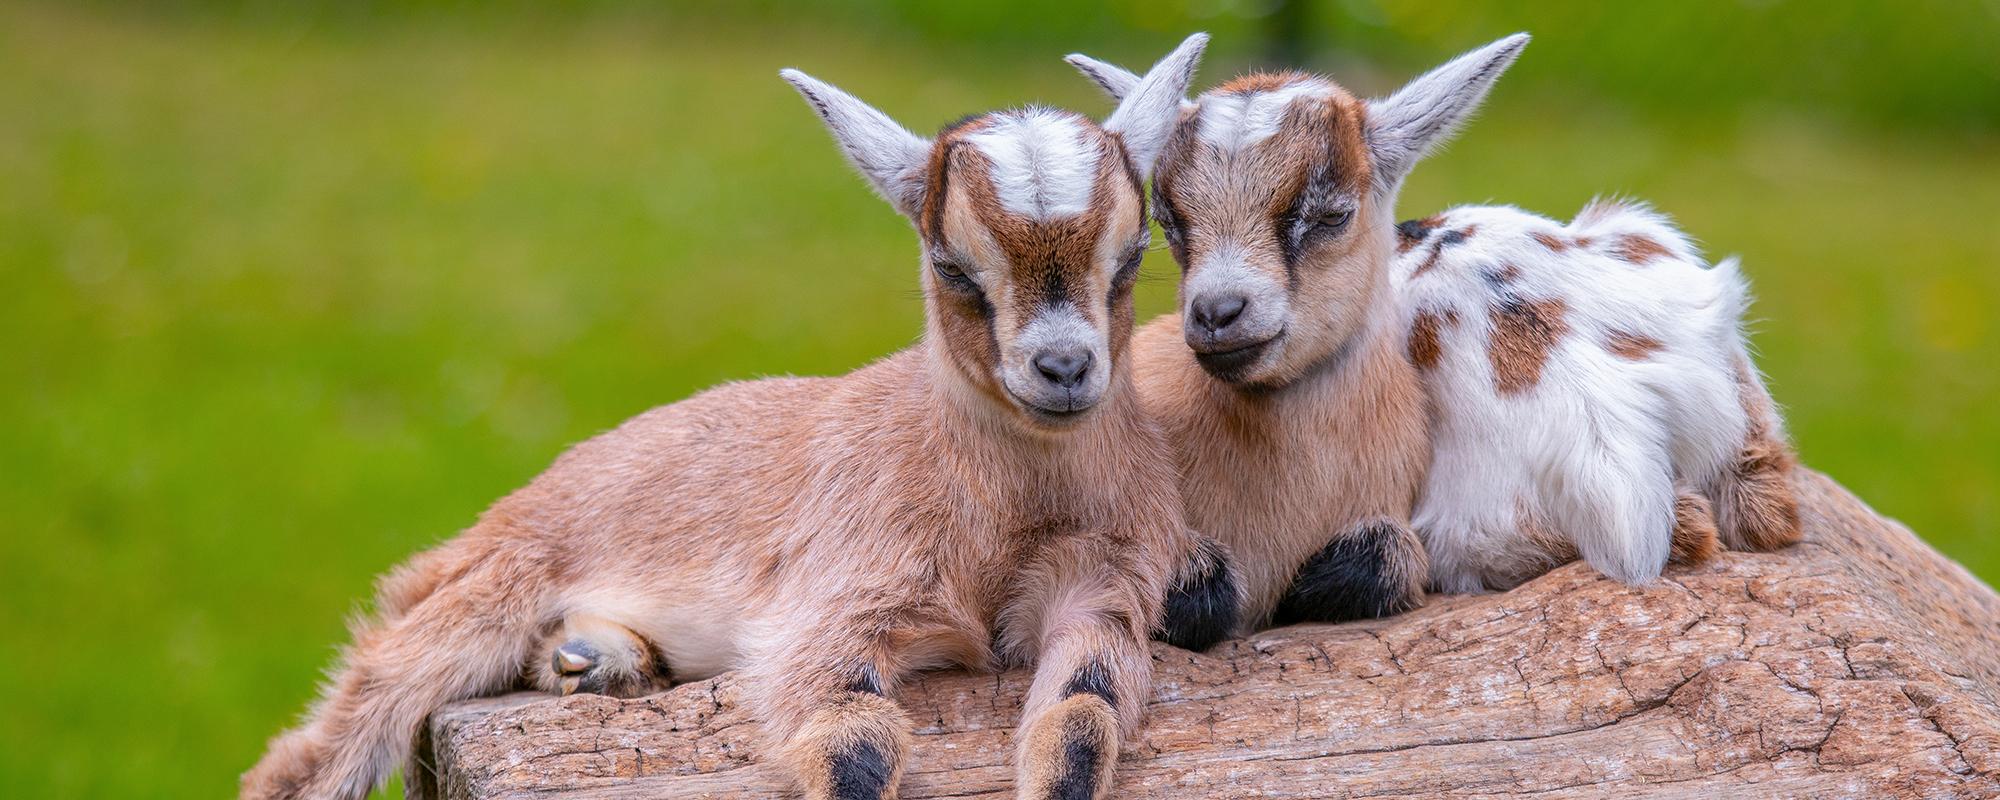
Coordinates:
[1409,124]
[891,157]
[1115,80]
[1146,117]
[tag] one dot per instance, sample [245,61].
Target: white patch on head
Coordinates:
[1044,162]
[1233,121]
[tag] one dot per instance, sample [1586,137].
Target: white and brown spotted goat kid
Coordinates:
[1299,422]
[993,495]
[1592,395]
[1277,192]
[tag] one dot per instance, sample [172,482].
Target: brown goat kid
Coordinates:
[1299,421]
[991,496]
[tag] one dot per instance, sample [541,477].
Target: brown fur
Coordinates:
[1696,539]
[1634,249]
[1633,346]
[1524,331]
[1425,346]
[1551,241]
[828,536]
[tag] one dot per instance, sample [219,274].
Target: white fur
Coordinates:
[1233,122]
[1596,448]
[1044,163]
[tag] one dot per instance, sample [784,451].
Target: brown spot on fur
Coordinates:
[1632,248]
[1695,538]
[1430,261]
[1507,273]
[1410,234]
[1551,241]
[1425,347]
[1262,82]
[1632,346]
[1524,332]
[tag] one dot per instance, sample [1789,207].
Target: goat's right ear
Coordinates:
[1146,117]
[1408,125]
[1115,80]
[891,157]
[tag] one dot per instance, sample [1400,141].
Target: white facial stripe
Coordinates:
[1054,328]
[1044,165]
[1232,122]
[1225,268]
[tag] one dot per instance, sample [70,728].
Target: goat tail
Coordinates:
[468,635]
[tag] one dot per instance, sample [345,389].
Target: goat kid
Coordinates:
[1282,188]
[991,496]
[1299,423]
[1592,395]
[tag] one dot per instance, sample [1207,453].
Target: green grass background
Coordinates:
[290,291]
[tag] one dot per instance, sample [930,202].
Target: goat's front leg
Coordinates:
[1091,684]
[828,717]
[1203,604]
[1373,568]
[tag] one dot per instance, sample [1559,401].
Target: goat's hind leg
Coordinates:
[589,654]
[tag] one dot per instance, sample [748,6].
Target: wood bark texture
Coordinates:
[1859,663]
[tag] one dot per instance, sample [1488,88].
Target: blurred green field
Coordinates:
[290,293]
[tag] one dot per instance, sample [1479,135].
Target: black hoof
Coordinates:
[579,668]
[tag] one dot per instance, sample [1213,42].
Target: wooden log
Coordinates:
[1859,663]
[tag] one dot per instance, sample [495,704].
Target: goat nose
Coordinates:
[1066,369]
[1214,312]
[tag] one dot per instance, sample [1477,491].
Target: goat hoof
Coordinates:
[575,664]
[568,661]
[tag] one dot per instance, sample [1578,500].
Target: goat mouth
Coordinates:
[1232,364]
[1050,417]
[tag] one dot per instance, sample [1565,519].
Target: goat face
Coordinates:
[1033,230]
[1032,224]
[1277,194]
[1263,192]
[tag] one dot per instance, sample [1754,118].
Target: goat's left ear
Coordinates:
[891,157]
[1409,124]
[1115,80]
[1146,117]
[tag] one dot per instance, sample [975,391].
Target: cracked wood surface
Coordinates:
[1859,663]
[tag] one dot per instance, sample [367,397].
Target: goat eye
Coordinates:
[1130,269]
[1332,220]
[950,271]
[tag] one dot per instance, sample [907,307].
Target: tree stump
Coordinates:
[1859,663]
